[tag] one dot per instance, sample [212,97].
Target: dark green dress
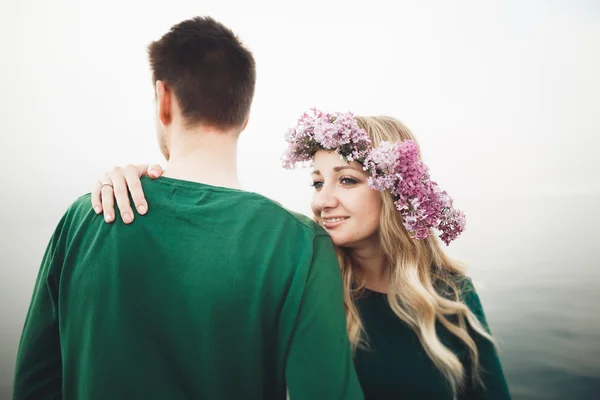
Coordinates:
[396,366]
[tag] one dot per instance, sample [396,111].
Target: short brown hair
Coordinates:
[210,72]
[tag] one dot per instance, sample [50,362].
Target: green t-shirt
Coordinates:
[215,294]
[395,365]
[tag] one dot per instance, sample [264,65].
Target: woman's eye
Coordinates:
[317,184]
[348,181]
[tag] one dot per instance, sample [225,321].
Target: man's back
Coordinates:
[215,294]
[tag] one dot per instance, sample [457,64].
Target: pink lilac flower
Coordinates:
[392,166]
[423,205]
[317,131]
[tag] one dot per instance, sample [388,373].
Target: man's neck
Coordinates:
[204,156]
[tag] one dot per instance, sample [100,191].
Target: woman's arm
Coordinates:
[490,367]
[117,184]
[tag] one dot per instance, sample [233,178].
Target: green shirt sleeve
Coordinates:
[319,364]
[38,372]
[492,375]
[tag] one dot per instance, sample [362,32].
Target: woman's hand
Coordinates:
[117,184]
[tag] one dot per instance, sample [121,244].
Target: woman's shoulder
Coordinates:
[458,286]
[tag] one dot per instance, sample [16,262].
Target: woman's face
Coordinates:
[343,202]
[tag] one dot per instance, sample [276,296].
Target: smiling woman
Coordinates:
[414,319]
[343,202]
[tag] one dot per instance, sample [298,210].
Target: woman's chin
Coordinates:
[353,241]
[341,240]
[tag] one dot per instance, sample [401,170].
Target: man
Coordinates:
[216,294]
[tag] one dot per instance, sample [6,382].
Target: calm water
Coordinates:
[539,290]
[549,332]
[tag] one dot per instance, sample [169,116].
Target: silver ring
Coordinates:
[102,184]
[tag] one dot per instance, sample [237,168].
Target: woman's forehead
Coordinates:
[327,161]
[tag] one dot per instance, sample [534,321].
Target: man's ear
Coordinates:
[245,123]
[164,97]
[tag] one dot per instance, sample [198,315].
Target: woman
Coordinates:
[414,318]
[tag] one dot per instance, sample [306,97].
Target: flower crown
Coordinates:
[393,166]
[324,131]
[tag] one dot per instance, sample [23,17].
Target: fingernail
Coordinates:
[108,217]
[127,218]
[154,173]
[142,209]
[97,209]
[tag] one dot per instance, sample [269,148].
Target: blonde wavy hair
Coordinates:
[419,269]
